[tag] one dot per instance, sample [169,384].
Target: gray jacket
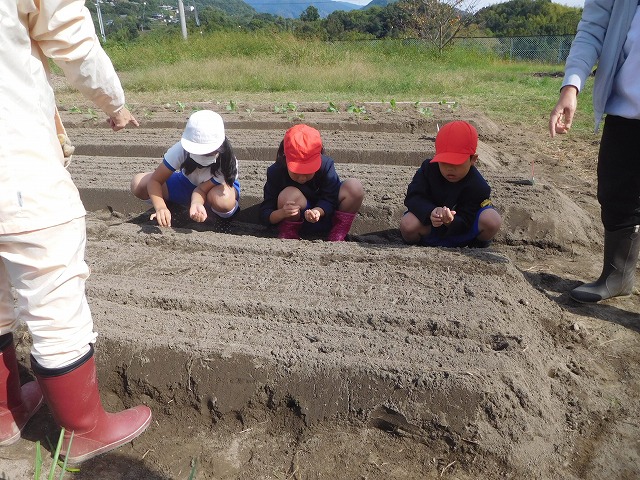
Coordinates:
[602,32]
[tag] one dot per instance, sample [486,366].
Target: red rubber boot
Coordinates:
[17,404]
[289,230]
[342,222]
[73,398]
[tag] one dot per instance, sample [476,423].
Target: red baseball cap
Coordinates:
[303,149]
[455,143]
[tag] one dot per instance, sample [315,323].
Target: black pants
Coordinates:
[619,173]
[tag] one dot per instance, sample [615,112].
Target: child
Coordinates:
[303,193]
[200,172]
[448,199]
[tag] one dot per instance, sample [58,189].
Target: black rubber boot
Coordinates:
[619,270]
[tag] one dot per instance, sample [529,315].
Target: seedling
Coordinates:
[356,109]
[250,111]
[180,106]
[393,104]
[92,114]
[232,106]
[289,107]
[332,108]
[426,111]
[75,109]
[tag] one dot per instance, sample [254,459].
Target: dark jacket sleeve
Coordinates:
[328,194]
[418,200]
[472,196]
[272,189]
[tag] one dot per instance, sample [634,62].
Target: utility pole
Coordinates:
[195,12]
[99,12]
[183,22]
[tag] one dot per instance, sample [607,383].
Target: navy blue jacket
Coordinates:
[429,189]
[321,191]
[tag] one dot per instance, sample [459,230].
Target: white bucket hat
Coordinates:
[204,132]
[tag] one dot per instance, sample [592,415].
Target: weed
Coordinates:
[56,459]
[194,464]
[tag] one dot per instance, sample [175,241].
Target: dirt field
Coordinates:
[369,359]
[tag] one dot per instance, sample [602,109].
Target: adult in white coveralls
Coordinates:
[42,227]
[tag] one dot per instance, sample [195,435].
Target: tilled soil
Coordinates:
[264,358]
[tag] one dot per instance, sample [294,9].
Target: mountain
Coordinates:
[378,3]
[236,8]
[293,8]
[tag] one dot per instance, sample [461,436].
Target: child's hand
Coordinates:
[312,215]
[197,212]
[447,216]
[163,216]
[291,209]
[436,217]
[442,216]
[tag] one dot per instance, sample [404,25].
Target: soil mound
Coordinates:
[264,358]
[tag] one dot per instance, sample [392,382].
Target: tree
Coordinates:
[310,14]
[530,17]
[437,21]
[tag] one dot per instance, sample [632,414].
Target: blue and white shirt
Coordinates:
[176,156]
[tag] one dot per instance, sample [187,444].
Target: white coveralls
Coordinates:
[42,226]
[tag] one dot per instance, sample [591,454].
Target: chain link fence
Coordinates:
[551,49]
[545,49]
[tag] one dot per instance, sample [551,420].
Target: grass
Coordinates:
[281,69]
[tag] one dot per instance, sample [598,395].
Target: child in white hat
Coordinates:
[200,172]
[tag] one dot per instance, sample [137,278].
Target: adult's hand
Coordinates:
[121,119]
[562,114]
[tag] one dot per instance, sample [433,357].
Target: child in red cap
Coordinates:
[303,193]
[448,200]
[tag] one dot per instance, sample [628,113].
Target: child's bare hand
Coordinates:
[162,216]
[312,215]
[442,216]
[447,215]
[291,209]
[197,212]
[436,217]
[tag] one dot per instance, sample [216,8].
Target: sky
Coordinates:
[485,3]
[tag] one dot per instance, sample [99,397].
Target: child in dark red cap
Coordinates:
[303,194]
[448,200]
